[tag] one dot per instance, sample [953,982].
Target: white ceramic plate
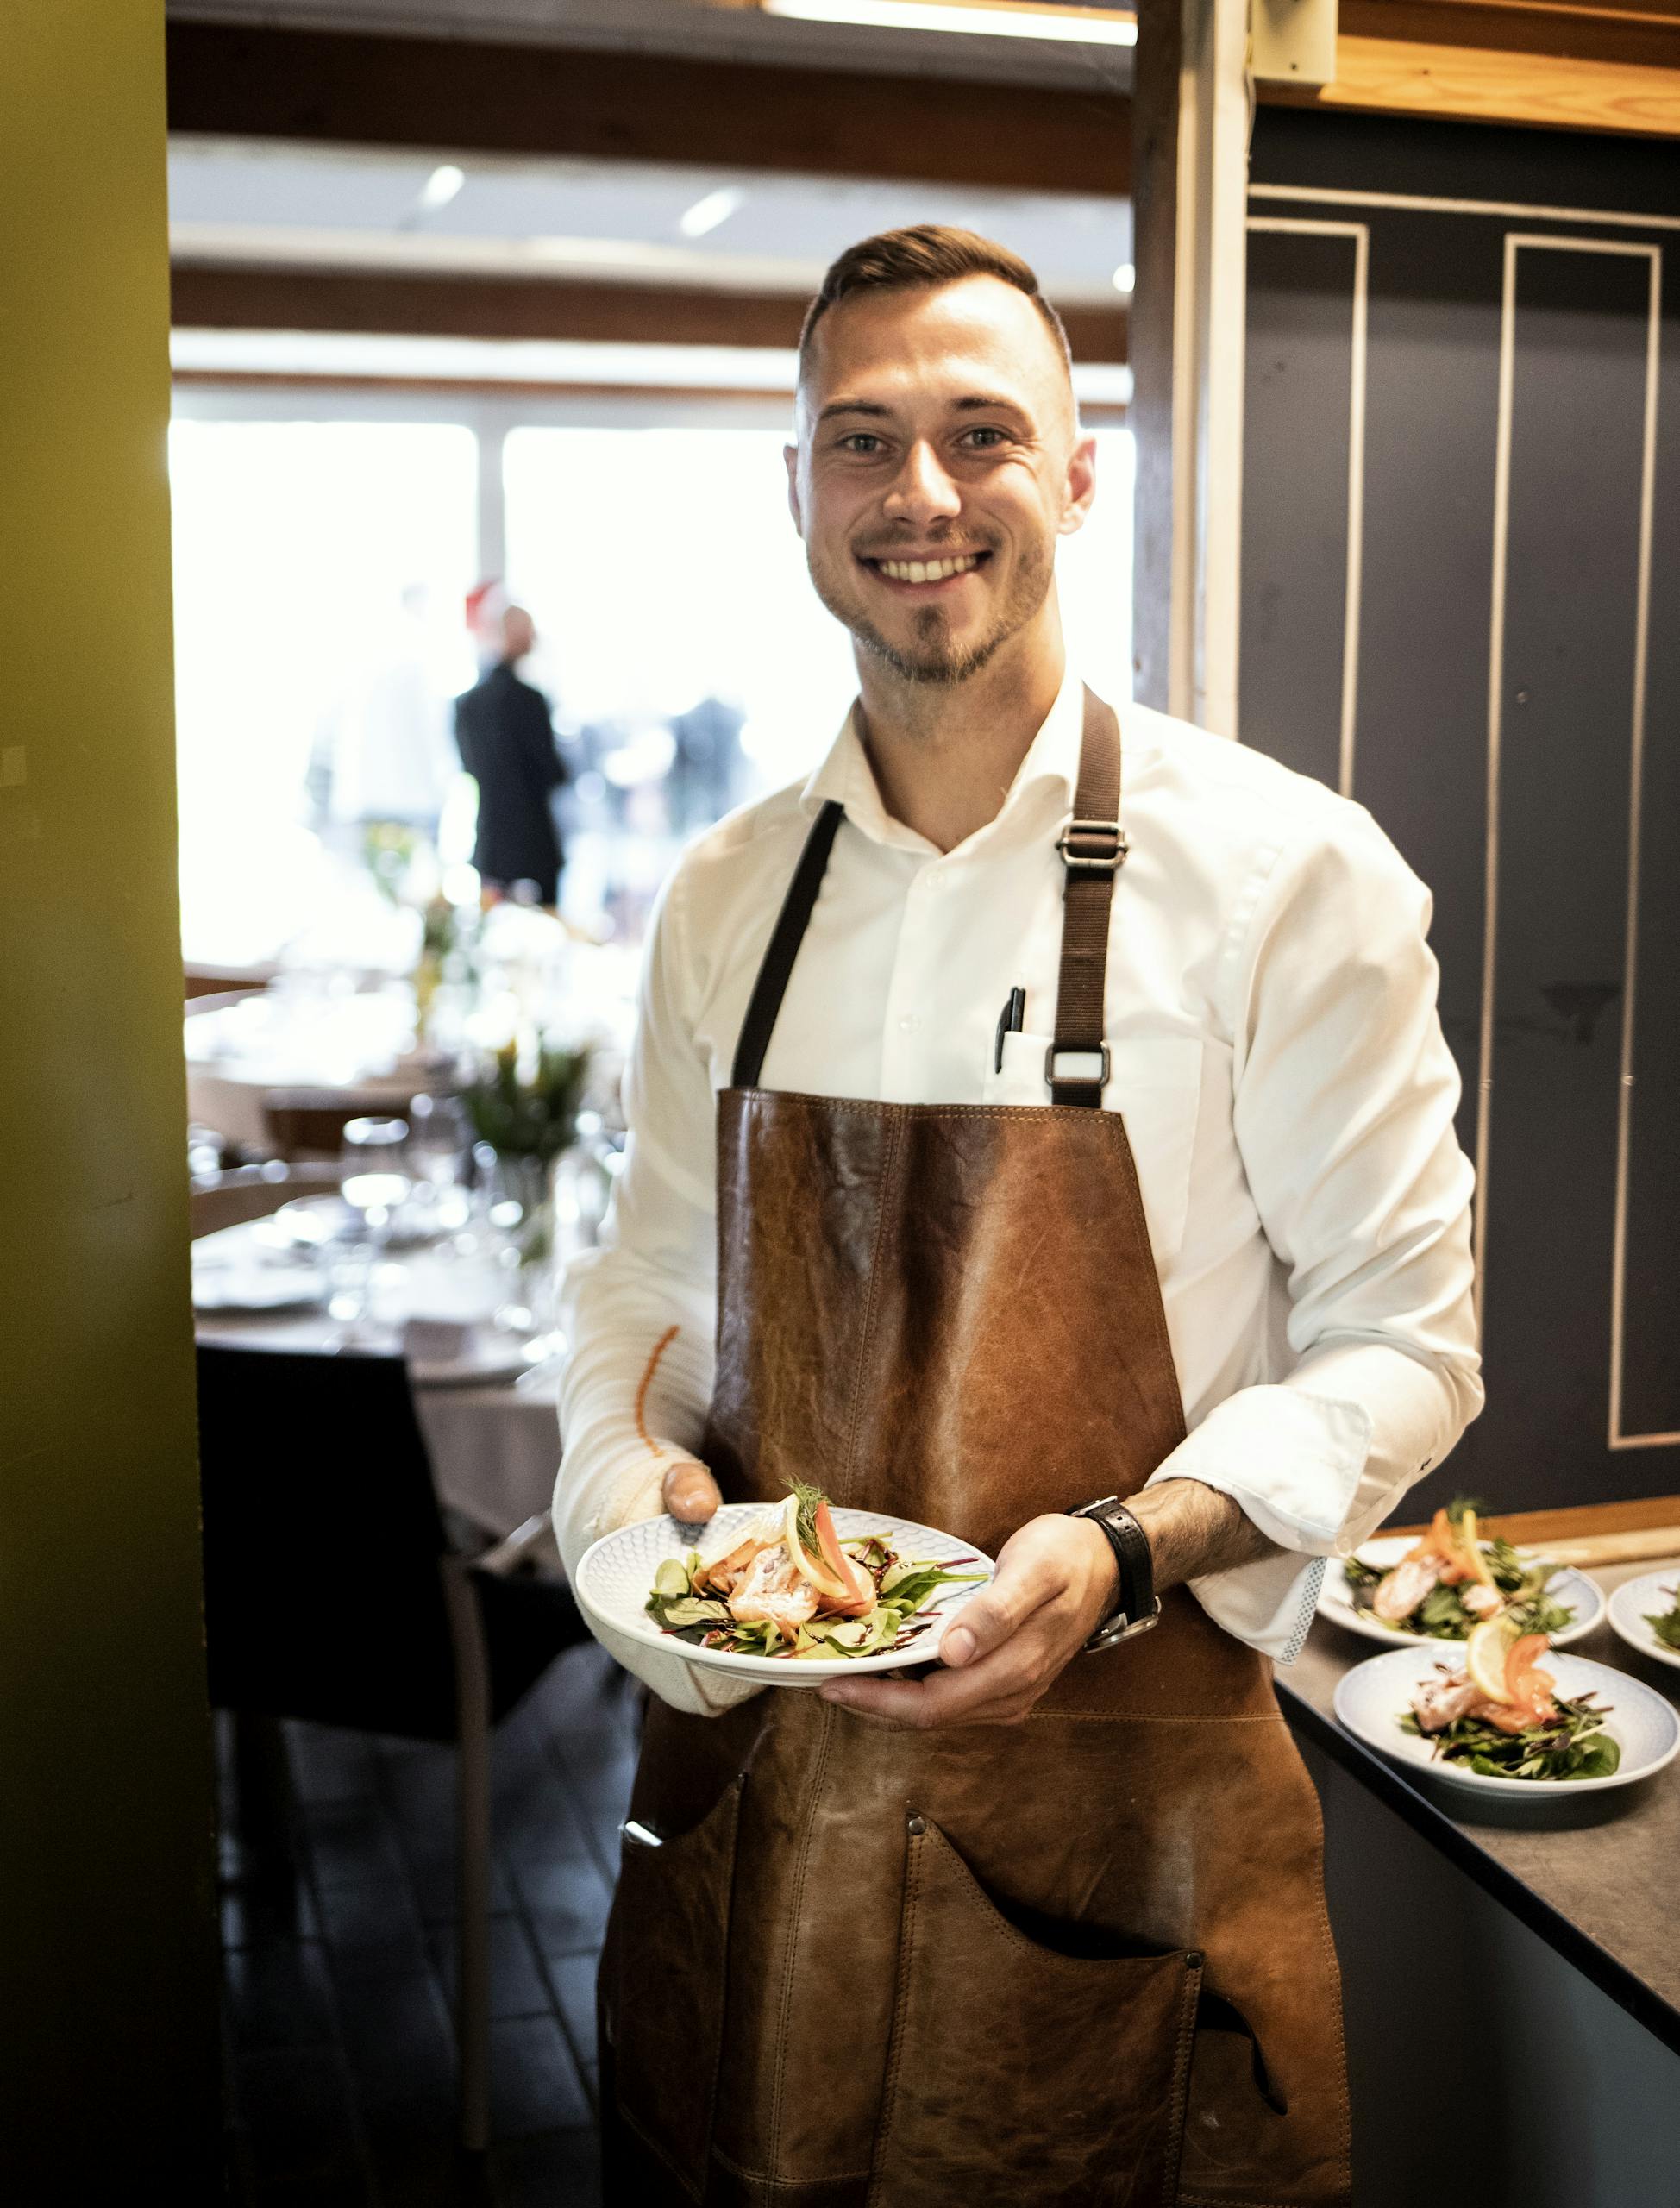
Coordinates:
[1374,1695]
[1571,1589]
[615,1577]
[1636,1598]
[251,1291]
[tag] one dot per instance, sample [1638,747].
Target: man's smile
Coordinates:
[929,572]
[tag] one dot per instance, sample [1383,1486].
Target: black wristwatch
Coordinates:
[1139,1605]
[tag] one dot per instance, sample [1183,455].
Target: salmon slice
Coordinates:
[772,1588]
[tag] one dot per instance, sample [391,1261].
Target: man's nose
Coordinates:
[923,491]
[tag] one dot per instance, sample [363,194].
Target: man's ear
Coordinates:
[790,455]
[1082,487]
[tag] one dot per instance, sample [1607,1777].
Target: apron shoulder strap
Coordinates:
[784,947]
[1093,849]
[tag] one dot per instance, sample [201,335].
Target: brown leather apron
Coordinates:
[1082,1961]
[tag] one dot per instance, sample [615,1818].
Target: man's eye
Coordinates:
[985,438]
[860,441]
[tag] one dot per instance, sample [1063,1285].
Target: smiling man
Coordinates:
[1154,1283]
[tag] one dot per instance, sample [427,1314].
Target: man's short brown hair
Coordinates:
[921,258]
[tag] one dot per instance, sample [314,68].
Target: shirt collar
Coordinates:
[1050,768]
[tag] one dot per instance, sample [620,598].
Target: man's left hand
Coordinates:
[1054,1584]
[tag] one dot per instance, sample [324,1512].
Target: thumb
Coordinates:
[690,1492]
[988,1617]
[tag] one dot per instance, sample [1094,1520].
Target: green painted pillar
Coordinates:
[108,2041]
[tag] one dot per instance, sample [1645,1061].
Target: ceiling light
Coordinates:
[994,18]
[706,214]
[1126,277]
[442,186]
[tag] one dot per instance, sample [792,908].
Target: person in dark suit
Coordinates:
[506,741]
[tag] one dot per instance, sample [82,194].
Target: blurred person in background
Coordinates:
[507,740]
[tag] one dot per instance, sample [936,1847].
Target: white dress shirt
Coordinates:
[1274,1047]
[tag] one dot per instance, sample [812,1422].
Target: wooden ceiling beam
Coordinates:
[458,95]
[214,296]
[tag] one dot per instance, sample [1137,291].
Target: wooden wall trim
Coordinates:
[205,297]
[1393,76]
[1100,414]
[448,94]
[1551,64]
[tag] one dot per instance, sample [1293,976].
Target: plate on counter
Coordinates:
[1635,1602]
[615,1577]
[1569,1589]
[1372,1698]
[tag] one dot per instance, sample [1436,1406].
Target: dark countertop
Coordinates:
[1596,1875]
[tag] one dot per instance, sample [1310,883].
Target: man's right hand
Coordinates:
[690,1493]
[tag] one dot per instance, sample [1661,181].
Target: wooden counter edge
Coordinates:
[1582,1522]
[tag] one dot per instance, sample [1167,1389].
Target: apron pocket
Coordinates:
[665,2008]
[1021,2077]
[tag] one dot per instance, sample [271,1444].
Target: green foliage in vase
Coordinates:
[529,1114]
[387,852]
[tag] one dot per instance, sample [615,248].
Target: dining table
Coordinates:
[483,1364]
[327,1035]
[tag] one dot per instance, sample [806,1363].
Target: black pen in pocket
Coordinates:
[1010,1021]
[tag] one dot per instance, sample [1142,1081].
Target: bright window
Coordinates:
[321,569]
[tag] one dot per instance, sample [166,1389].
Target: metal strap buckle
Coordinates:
[1075,1080]
[1123,1628]
[1108,834]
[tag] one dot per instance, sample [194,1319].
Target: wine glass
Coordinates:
[372,1186]
[438,1139]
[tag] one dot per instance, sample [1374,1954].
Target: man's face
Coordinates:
[938,461]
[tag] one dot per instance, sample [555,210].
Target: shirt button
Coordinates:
[910,1021]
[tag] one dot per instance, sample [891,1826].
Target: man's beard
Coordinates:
[931,657]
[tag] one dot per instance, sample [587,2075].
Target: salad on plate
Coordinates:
[1502,1717]
[1453,1581]
[1665,1624]
[790,1586]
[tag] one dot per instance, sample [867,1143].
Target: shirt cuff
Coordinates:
[1292,1460]
[628,1492]
[1271,1603]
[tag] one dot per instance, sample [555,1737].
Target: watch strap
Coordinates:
[1138,1606]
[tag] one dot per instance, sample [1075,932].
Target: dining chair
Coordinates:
[331,1593]
[245,1192]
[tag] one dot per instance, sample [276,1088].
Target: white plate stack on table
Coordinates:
[1566,1589]
[1376,1698]
[617,1577]
[1645,1614]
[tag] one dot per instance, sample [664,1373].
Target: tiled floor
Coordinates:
[339,1933]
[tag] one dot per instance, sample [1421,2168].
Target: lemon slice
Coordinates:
[1485,1652]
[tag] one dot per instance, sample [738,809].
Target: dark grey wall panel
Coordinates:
[1559,1179]
[1577,431]
[1296,422]
[1420,747]
[1651,1317]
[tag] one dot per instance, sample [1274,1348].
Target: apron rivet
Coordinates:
[918,1825]
[1193,1960]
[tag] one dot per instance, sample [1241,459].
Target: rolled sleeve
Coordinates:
[1343,1104]
[639,1310]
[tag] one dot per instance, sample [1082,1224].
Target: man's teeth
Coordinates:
[927,571]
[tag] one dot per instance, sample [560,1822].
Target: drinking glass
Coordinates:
[372,1186]
[439,1139]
